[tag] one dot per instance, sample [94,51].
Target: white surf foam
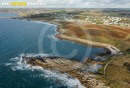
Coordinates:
[63,78]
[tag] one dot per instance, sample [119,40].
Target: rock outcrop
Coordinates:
[71,67]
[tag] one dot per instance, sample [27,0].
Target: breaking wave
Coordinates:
[18,64]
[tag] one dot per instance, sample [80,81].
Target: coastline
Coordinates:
[87,79]
[91,83]
[112,50]
[72,68]
[119,64]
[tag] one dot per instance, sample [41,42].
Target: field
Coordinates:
[117,73]
[116,36]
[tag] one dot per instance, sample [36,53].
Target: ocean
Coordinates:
[18,37]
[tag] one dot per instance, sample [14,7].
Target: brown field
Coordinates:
[113,35]
[98,30]
[100,33]
[118,34]
[77,31]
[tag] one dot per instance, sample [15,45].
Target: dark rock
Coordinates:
[107,52]
[128,51]
[126,64]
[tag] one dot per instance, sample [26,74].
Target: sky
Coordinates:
[83,3]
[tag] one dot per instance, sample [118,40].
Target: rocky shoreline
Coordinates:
[74,69]
[71,67]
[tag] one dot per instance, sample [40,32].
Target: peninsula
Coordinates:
[96,28]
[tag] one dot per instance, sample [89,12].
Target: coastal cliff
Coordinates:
[73,68]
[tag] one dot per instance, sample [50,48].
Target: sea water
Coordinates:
[19,37]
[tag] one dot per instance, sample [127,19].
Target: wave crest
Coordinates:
[18,64]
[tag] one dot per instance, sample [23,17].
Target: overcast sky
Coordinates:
[84,3]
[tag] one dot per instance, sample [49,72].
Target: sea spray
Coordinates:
[19,64]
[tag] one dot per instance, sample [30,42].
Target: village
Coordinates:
[105,20]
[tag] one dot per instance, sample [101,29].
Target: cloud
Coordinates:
[89,3]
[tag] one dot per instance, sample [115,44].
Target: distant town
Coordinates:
[90,16]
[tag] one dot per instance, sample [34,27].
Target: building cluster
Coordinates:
[108,20]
